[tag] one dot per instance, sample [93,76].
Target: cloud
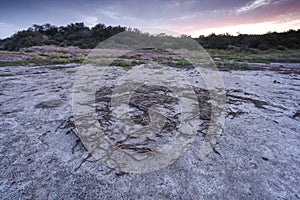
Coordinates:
[253,5]
[184,16]
[111,13]
[90,20]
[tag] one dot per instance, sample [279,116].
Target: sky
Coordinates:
[190,17]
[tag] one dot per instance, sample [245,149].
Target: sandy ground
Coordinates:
[256,157]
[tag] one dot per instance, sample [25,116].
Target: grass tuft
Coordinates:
[124,64]
[182,61]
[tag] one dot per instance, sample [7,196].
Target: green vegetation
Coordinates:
[162,59]
[6,75]
[165,60]
[14,63]
[256,55]
[57,58]
[43,58]
[158,59]
[219,55]
[233,66]
[182,61]
[123,63]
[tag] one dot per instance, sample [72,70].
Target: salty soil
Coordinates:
[256,157]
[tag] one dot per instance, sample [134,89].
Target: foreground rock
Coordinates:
[257,157]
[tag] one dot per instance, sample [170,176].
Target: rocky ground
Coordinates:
[256,157]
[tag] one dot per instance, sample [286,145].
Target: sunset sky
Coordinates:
[189,17]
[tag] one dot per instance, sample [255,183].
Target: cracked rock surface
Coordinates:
[257,157]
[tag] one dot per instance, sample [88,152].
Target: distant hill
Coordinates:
[77,34]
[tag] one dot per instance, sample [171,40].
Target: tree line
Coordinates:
[77,34]
[272,40]
[74,34]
